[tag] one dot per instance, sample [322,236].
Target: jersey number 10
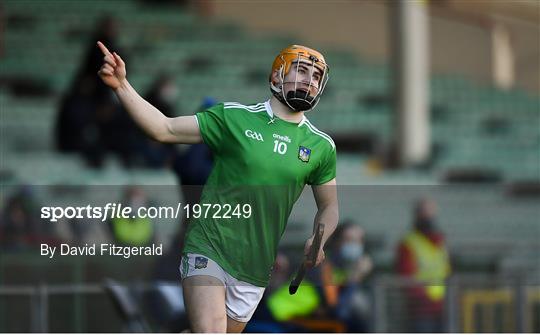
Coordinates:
[280,147]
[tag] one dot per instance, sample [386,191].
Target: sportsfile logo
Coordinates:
[254,135]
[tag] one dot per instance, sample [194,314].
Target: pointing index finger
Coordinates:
[103,48]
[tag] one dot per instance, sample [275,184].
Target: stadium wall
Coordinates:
[459,44]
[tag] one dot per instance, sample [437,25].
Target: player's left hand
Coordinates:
[307,249]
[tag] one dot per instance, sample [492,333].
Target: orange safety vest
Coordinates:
[433,264]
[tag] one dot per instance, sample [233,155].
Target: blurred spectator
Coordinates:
[422,256]
[117,134]
[135,231]
[195,165]
[106,31]
[90,120]
[162,95]
[92,126]
[75,127]
[20,226]
[116,130]
[282,305]
[278,310]
[343,275]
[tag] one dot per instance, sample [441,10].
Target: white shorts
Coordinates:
[241,298]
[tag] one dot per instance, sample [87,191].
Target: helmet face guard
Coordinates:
[299,98]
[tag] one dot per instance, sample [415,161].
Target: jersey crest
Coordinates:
[303,154]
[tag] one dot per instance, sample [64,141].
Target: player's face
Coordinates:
[303,76]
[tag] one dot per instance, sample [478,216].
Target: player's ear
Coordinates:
[276,80]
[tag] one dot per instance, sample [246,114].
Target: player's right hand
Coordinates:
[113,70]
[307,251]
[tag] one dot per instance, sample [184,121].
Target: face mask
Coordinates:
[351,251]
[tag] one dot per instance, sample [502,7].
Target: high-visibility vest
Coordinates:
[284,306]
[432,264]
[132,232]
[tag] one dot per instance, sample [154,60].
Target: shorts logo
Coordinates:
[201,262]
[254,135]
[303,154]
[185,267]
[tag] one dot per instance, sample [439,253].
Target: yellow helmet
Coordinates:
[296,54]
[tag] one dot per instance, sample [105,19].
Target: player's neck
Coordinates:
[284,112]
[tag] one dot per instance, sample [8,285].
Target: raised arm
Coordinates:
[183,129]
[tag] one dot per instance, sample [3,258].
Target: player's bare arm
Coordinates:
[183,129]
[327,213]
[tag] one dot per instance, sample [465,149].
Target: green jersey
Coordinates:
[265,162]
